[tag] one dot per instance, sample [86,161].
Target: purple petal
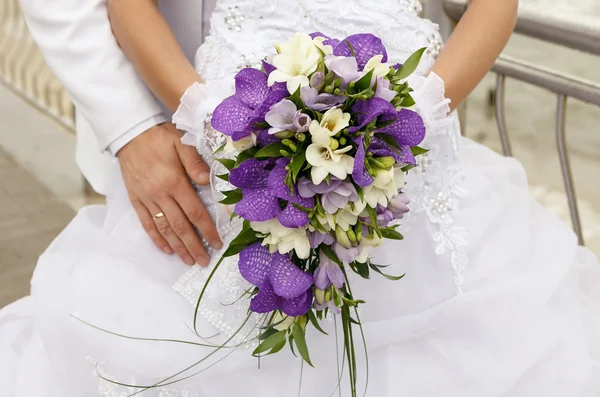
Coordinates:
[276,180]
[315,239]
[333,201]
[230,116]
[319,34]
[346,255]
[292,217]
[408,129]
[269,68]
[335,275]
[298,306]
[365,46]
[321,277]
[255,265]
[265,139]
[249,174]
[383,90]
[257,205]
[265,301]
[370,110]
[251,87]
[329,239]
[287,279]
[271,99]
[359,173]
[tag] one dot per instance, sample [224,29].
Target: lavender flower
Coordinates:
[328,273]
[398,205]
[347,255]
[383,90]
[285,116]
[334,196]
[317,238]
[319,102]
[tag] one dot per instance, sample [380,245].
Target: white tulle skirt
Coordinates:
[526,325]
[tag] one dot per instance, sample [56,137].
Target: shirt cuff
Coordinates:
[140,128]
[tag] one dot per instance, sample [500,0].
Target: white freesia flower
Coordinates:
[282,239]
[320,155]
[327,49]
[344,219]
[282,322]
[384,187]
[333,121]
[240,145]
[379,69]
[297,58]
[367,246]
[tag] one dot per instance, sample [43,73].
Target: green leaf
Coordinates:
[389,140]
[407,101]
[246,237]
[297,163]
[365,81]
[243,156]
[272,150]
[383,124]
[417,150]
[220,149]
[391,234]
[303,209]
[233,197]
[224,177]
[407,168]
[362,269]
[268,332]
[330,254]
[313,320]
[349,44]
[297,99]
[392,278]
[270,343]
[233,250]
[373,217]
[410,65]
[300,339]
[228,163]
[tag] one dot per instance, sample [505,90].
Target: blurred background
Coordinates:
[547,79]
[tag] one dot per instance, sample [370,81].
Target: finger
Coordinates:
[150,227]
[184,230]
[194,166]
[166,231]
[196,212]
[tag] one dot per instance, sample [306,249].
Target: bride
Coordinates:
[498,299]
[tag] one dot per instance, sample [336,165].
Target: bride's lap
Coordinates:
[523,270]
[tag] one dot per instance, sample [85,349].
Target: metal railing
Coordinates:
[550,28]
[23,69]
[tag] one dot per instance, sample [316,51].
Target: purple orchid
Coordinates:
[281,284]
[317,238]
[406,128]
[328,40]
[263,186]
[238,114]
[319,102]
[364,46]
[285,116]
[335,195]
[328,273]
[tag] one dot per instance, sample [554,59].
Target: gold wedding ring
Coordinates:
[158,216]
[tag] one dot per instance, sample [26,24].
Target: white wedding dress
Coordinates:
[498,299]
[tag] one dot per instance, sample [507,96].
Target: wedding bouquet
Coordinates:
[320,141]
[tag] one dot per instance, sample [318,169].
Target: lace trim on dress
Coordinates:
[437,181]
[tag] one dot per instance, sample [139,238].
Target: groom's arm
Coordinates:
[76,40]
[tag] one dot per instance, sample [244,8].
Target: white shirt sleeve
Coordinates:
[76,40]
[127,137]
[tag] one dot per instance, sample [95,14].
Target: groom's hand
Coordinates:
[155,167]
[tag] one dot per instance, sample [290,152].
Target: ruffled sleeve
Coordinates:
[431,103]
[196,105]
